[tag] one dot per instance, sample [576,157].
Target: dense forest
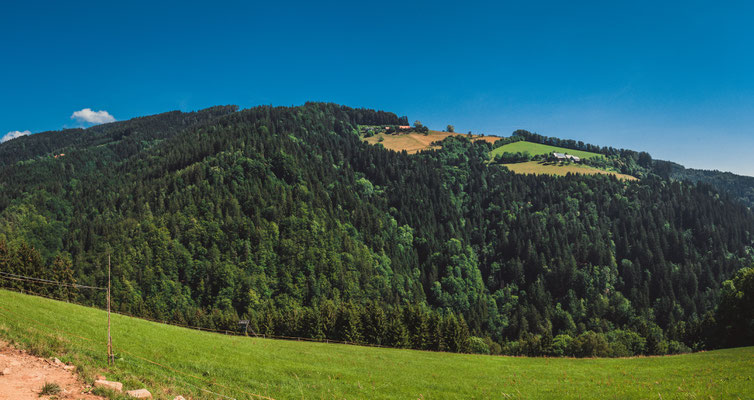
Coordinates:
[283,216]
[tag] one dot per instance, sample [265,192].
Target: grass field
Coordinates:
[540,168]
[416,142]
[536,149]
[279,369]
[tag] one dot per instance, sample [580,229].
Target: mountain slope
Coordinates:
[285,217]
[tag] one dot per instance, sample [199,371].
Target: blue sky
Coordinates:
[676,79]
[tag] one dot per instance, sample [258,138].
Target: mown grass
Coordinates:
[236,366]
[537,149]
[415,142]
[561,169]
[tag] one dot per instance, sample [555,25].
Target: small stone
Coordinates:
[117,386]
[139,394]
[6,371]
[57,361]
[179,398]
[69,367]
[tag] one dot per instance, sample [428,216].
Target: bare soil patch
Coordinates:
[22,376]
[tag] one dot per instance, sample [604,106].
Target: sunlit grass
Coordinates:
[542,168]
[415,142]
[238,366]
[538,148]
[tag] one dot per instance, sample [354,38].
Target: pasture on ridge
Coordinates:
[543,168]
[414,142]
[538,149]
[239,367]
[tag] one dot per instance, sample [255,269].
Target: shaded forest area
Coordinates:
[281,215]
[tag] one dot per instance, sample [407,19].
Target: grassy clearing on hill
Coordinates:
[536,149]
[415,142]
[541,168]
[288,369]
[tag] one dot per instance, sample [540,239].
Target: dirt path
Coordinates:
[23,375]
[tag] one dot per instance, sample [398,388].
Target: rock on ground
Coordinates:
[139,394]
[117,386]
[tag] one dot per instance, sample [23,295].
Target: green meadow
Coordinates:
[170,360]
[537,149]
[559,169]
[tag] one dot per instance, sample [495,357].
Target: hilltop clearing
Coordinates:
[414,142]
[539,149]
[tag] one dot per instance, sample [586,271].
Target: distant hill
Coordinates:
[739,186]
[284,216]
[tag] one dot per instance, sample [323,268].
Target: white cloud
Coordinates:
[93,117]
[14,134]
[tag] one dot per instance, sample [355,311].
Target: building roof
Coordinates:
[562,156]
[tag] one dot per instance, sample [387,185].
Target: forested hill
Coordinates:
[285,217]
[641,164]
[740,187]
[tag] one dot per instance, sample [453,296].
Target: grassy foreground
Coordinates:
[538,148]
[280,369]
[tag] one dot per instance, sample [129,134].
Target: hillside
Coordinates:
[740,187]
[540,149]
[189,361]
[413,142]
[285,217]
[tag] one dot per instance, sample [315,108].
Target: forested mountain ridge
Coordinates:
[740,187]
[284,216]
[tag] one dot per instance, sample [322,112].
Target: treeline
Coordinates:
[153,127]
[411,326]
[508,157]
[275,213]
[21,261]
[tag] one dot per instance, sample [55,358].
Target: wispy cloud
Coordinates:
[92,117]
[14,134]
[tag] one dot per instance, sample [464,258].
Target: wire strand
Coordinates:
[8,275]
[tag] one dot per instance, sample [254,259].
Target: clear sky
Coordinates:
[675,79]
